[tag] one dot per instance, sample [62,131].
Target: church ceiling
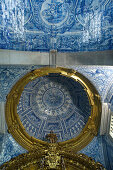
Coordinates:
[101,77]
[56,103]
[58,100]
[64,25]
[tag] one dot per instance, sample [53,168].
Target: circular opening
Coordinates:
[57,99]
[54,102]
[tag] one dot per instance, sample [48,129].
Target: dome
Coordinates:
[54,102]
[57,100]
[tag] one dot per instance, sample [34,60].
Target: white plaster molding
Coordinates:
[104,119]
[52,57]
[2,118]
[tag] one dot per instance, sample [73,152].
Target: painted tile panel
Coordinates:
[64,25]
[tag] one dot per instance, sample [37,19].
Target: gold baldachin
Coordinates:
[34,160]
[16,128]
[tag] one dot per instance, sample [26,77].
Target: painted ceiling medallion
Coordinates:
[64,25]
[54,15]
[54,102]
[54,12]
[53,99]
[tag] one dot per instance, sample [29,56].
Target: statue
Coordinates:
[53,159]
[52,137]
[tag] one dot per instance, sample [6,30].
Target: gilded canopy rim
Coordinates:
[16,128]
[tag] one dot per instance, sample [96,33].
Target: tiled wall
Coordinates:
[65,25]
[108,151]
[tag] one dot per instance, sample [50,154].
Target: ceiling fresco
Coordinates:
[56,103]
[64,25]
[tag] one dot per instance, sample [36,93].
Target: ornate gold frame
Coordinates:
[17,130]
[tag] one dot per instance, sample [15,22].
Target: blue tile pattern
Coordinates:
[100,76]
[108,152]
[65,25]
[109,96]
[95,150]
[10,149]
[107,140]
[9,75]
[55,103]
[1,141]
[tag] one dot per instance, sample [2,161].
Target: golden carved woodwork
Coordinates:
[16,128]
[52,159]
